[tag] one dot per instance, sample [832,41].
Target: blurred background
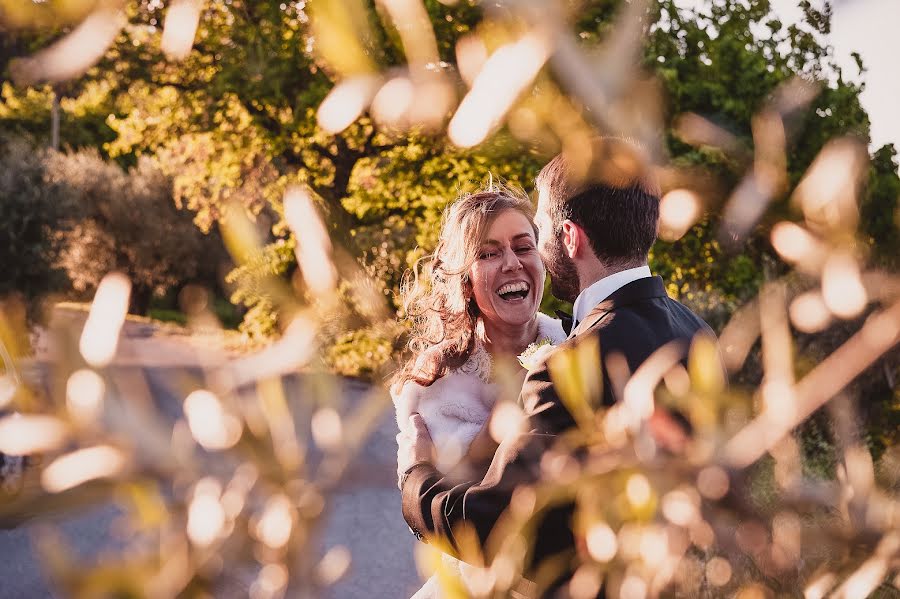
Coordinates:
[207,206]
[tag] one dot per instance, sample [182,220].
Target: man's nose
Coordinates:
[511,261]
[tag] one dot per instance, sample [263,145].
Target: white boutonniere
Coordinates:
[535,354]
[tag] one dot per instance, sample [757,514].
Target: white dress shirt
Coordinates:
[588,299]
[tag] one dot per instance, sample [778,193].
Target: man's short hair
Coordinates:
[616,201]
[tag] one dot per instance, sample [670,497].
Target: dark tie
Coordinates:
[566,320]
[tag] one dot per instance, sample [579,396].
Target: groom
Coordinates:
[594,239]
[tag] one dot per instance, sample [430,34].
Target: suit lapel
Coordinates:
[642,289]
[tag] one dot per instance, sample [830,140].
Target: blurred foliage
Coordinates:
[236,121]
[235,124]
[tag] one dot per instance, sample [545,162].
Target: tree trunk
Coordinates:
[54,121]
[139,303]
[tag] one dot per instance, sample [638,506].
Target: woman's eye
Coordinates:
[487,255]
[524,249]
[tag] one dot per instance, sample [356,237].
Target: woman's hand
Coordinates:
[414,445]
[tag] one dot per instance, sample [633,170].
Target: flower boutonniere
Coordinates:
[535,353]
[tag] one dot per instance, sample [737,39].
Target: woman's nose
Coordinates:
[511,261]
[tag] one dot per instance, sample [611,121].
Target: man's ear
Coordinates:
[573,238]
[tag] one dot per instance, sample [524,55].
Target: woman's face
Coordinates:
[508,275]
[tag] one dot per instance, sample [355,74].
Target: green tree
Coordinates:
[33,213]
[236,122]
[127,221]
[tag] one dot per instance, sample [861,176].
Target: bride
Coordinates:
[474,300]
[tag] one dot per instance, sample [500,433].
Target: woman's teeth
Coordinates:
[512,291]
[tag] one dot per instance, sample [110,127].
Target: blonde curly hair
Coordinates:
[437,293]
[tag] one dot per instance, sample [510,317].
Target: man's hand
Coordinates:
[414,445]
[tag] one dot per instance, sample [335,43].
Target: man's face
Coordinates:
[564,283]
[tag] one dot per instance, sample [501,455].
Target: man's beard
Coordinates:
[564,283]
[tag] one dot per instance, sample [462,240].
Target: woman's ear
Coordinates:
[572,238]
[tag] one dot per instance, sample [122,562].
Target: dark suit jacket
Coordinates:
[635,321]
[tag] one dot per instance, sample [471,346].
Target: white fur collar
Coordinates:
[456,406]
[480,362]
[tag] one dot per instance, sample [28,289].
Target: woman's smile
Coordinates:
[508,277]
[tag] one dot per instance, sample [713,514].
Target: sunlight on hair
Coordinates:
[84,395]
[809,313]
[100,336]
[504,76]
[274,526]
[211,426]
[679,209]
[842,287]
[27,434]
[346,102]
[206,517]
[313,242]
[75,53]
[334,565]
[179,28]
[81,466]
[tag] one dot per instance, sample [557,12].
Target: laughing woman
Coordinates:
[475,300]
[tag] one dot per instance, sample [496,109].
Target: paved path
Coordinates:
[364,516]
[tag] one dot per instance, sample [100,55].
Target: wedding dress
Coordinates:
[455,408]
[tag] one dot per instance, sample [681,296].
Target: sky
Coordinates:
[868,27]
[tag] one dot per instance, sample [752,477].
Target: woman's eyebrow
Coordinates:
[515,238]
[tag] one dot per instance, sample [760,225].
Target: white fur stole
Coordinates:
[456,406]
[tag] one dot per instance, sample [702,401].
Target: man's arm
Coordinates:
[434,504]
